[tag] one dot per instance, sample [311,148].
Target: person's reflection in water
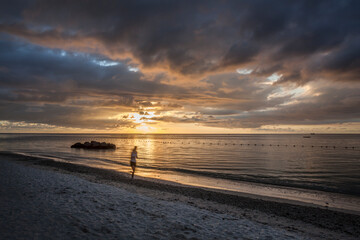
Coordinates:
[134,156]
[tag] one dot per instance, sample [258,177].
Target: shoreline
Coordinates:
[323,218]
[269,192]
[249,190]
[335,201]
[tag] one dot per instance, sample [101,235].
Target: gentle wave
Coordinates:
[242,192]
[234,177]
[229,157]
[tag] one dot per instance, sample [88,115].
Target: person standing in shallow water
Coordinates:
[134,156]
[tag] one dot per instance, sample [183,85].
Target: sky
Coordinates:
[145,66]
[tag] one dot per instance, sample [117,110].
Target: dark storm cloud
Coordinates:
[257,106]
[200,36]
[11,11]
[77,60]
[69,89]
[46,73]
[240,53]
[343,63]
[333,106]
[240,93]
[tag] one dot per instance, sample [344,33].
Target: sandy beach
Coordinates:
[148,119]
[44,199]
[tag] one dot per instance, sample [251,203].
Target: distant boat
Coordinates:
[312,133]
[306,136]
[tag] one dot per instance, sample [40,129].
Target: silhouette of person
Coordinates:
[134,156]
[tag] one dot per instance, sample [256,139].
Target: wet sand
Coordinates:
[256,216]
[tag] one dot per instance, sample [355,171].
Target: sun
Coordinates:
[136,118]
[145,128]
[141,118]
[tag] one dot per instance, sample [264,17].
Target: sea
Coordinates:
[316,167]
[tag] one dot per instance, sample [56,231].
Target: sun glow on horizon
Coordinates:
[144,128]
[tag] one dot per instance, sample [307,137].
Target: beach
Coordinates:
[233,119]
[44,199]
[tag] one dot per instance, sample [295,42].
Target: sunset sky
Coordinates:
[254,66]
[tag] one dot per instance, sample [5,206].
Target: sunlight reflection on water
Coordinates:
[283,160]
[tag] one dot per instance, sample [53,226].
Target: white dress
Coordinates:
[133,157]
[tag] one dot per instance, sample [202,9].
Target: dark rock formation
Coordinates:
[94,145]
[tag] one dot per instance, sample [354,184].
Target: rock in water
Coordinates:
[94,145]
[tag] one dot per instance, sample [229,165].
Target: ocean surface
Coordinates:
[323,162]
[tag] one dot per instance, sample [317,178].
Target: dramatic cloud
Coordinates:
[230,64]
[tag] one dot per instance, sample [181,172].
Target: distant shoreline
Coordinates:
[324,218]
[228,134]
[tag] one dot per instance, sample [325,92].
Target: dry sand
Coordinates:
[44,199]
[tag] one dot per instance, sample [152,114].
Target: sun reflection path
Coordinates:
[148,151]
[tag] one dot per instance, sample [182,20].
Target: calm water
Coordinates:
[274,160]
